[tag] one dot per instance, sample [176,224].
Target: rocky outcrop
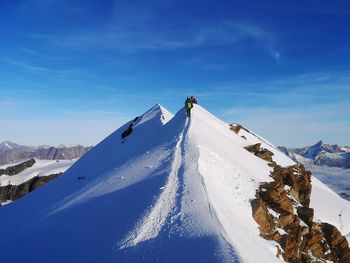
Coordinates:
[260,152]
[337,243]
[13,192]
[281,209]
[235,127]
[128,131]
[16,169]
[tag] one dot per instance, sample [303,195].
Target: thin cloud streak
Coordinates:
[39,69]
[134,38]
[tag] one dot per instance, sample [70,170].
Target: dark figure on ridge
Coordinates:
[193,100]
[189,106]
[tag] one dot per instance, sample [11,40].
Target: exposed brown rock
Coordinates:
[265,155]
[284,204]
[274,194]
[235,127]
[290,244]
[306,214]
[260,152]
[337,243]
[265,220]
[253,148]
[314,242]
[299,179]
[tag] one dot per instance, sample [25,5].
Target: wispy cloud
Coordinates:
[133,31]
[40,69]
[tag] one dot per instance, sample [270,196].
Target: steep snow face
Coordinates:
[174,190]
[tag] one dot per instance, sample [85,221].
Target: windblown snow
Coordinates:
[175,190]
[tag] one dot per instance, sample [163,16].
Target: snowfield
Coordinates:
[40,168]
[174,190]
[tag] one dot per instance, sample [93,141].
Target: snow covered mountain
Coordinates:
[164,188]
[7,145]
[321,154]
[13,152]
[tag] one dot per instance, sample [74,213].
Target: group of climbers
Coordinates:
[189,105]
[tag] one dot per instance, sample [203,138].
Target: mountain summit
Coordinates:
[166,188]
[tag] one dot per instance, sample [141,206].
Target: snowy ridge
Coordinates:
[153,222]
[172,191]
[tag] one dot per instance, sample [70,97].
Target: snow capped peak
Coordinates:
[162,188]
[8,145]
[312,151]
[157,112]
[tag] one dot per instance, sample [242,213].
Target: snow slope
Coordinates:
[176,190]
[253,138]
[40,168]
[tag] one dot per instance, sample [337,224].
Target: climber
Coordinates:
[193,100]
[189,106]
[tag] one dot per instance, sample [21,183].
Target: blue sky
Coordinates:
[72,71]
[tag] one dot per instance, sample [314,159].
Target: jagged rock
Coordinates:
[282,204]
[265,220]
[273,193]
[260,152]
[253,148]
[299,179]
[314,242]
[301,184]
[290,244]
[306,214]
[13,192]
[337,243]
[235,127]
[265,155]
[16,169]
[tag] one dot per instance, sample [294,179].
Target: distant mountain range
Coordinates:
[12,152]
[321,153]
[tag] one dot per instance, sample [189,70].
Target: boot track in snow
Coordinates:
[152,223]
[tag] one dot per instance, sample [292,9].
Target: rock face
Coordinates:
[16,169]
[281,209]
[13,192]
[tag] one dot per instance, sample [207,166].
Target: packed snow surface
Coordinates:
[175,190]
